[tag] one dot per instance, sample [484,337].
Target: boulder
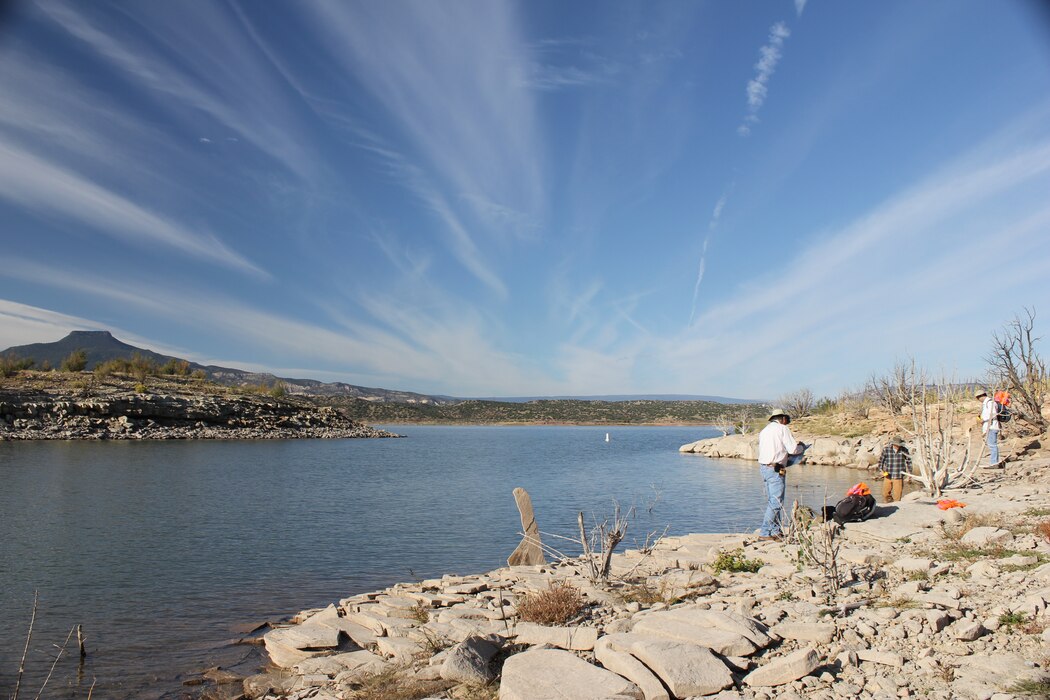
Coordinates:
[552,674]
[686,669]
[784,669]
[469,661]
[987,536]
[572,638]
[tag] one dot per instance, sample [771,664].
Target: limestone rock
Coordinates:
[552,674]
[886,658]
[784,669]
[686,669]
[913,564]
[630,668]
[987,536]
[572,638]
[469,661]
[529,551]
[819,632]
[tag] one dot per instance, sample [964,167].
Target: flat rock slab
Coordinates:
[785,669]
[686,669]
[886,658]
[552,674]
[360,661]
[819,632]
[572,638]
[709,622]
[913,564]
[671,629]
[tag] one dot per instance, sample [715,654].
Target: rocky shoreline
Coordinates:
[934,603]
[170,410]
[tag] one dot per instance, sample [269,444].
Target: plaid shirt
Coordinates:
[894,462]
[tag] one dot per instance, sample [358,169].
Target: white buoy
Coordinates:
[607,437]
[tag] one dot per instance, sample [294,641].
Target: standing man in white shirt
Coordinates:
[775,445]
[989,425]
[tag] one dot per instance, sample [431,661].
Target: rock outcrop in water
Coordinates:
[45,407]
[827,451]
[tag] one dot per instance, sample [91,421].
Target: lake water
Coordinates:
[163,551]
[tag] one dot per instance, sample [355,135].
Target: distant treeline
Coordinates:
[542,411]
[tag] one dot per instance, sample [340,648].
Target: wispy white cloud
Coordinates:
[800,5]
[235,92]
[758,87]
[712,224]
[50,190]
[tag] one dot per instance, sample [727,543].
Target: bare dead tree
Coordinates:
[891,390]
[724,423]
[798,403]
[943,454]
[25,652]
[818,545]
[742,420]
[1019,368]
[857,403]
[599,545]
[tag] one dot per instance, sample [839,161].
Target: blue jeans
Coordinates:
[775,487]
[993,447]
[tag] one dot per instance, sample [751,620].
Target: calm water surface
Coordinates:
[164,551]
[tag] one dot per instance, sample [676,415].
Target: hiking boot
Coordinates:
[771,538]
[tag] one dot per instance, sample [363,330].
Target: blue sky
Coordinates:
[534,198]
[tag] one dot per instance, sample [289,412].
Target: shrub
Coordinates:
[1013,618]
[735,562]
[11,365]
[556,605]
[277,390]
[199,374]
[140,388]
[76,361]
[176,367]
[142,367]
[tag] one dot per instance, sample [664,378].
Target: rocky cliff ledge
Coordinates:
[48,408]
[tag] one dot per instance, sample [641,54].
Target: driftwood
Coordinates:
[530,550]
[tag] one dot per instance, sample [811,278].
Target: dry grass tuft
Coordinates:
[555,606]
[646,593]
[1043,530]
[393,683]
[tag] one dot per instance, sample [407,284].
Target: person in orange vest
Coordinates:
[893,463]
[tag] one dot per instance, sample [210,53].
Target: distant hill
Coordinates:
[616,398]
[101,346]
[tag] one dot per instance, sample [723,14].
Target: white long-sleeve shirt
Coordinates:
[989,419]
[775,443]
